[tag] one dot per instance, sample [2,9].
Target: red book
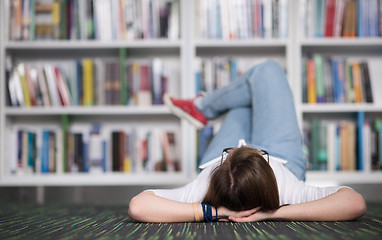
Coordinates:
[329,20]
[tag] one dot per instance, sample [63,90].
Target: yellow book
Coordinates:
[127,164]
[24,84]
[357,82]
[88,81]
[311,82]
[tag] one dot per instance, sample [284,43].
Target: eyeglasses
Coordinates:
[227,150]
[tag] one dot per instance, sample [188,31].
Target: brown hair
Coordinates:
[243,181]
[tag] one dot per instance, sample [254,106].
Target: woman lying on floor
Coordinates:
[263,180]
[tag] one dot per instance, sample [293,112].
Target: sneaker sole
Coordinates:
[180,113]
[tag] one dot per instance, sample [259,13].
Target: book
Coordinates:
[88,81]
[311,81]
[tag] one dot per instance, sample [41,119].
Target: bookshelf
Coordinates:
[187,50]
[352,49]
[112,117]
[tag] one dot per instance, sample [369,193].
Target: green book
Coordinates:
[63,19]
[32,24]
[349,83]
[319,72]
[122,77]
[315,136]
[65,129]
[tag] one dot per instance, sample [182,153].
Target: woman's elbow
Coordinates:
[357,204]
[360,204]
[135,210]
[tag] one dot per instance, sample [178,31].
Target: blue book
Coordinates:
[380,147]
[104,156]
[45,151]
[32,151]
[233,69]
[338,149]
[360,123]
[85,157]
[198,82]
[360,27]
[335,80]
[19,148]
[79,92]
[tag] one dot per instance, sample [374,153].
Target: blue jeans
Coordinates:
[260,109]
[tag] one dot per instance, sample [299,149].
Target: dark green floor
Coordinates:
[112,222]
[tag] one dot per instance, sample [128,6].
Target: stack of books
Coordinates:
[241,19]
[65,149]
[344,145]
[340,80]
[341,18]
[94,19]
[91,82]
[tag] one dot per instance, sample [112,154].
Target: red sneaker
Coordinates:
[185,109]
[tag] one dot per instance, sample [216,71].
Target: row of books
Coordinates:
[241,19]
[55,150]
[341,18]
[328,79]
[216,72]
[344,145]
[89,82]
[93,19]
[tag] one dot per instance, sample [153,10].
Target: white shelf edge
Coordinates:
[339,178]
[92,110]
[241,43]
[89,44]
[99,179]
[341,42]
[337,107]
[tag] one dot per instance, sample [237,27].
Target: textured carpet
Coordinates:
[112,222]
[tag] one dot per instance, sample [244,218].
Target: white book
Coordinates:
[331,145]
[174,26]
[366,147]
[283,19]
[52,87]
[12,87]
[302,31]
[155,18]
[375,73]
[224,16]
[18,85]
[129,17]
[145,19]
[108,20]
[338,17]
[203,19]
[115,19]
[267,18]
[11,146]
[208,78]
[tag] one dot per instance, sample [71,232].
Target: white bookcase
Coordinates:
[289,51]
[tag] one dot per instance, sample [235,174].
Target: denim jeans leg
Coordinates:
[265,89]
[236,125]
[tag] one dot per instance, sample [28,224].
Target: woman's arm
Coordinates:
[148,207]
[345,204]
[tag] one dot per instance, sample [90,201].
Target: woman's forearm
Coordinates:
[345,204]
[147,207]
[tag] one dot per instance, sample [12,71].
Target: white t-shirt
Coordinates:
[291,190]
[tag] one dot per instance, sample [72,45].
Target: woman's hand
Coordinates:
[251,215]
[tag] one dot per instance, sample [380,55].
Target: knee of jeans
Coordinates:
[269,72]
[241,113]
